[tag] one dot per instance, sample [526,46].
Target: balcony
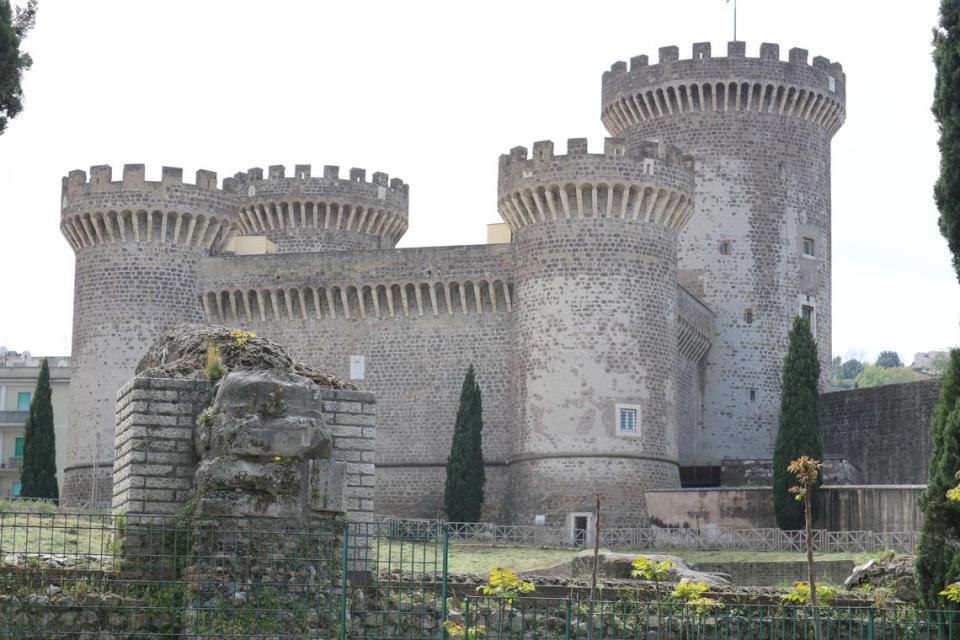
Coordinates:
[13,417]
[11,464]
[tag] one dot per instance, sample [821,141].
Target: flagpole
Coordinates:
[734,20]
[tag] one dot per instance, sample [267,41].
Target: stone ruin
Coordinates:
[257,471]
[270,438]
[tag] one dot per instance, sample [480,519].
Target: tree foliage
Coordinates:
[39,474]
[938,551]
[463,494]
[14,25]
[798,433]
[888,360]
[873,376]
[946,97]
[851,369]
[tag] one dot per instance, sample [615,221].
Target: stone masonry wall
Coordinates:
[884,431]
[762,185]
[596,326]
[137,244]
[414,364]
[155,460]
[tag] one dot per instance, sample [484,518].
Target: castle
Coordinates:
[632,331]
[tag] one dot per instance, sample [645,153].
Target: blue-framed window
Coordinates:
[17,488]
[23,401]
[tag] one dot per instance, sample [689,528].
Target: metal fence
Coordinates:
[546,619]
[100,576]
[657,538]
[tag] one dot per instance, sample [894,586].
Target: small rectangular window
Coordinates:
[18,448]
[628,420]
[725,248]
[23,401]
[17,487]
[753,395]
[809,247]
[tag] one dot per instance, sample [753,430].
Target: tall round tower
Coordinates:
[137,245]
[758,251]
[595,320]
[309,214]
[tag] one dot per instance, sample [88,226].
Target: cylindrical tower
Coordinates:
[309,214]
[595,326]
[137,245]
[758,251]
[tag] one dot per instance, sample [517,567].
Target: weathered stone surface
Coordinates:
[182,353]
[895,574]
[262,415]
[235,474]
[619,566]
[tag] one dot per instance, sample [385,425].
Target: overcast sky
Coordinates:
[433,93]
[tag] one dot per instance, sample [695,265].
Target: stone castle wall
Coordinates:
[137,244]
[884,431]
[760,131]
[417,341]
[596,326]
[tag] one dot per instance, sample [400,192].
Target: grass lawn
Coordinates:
[480,559]
[694,557]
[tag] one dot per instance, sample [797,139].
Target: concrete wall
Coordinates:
[156,461]
[871,508]
[843,508]
[740,508]
[884,431]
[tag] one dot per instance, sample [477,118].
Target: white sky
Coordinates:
[433,93]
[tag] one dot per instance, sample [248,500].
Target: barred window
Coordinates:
[628,420]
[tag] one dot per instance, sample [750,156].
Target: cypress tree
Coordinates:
[39,474]
[798,433]
[946,96]
[938,551]
[463,493]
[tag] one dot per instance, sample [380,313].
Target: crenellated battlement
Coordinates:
[813,91]
[134,179]
[101,210]
[650,181]
[302,177]
[273,202]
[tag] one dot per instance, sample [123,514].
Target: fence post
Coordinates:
[443,588]
[870,624]
[466,617]
[567,630]
[343,581]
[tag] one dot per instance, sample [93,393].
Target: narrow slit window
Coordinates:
[809,247]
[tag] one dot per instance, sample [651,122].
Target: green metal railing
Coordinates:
[546,618]
[100,576]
